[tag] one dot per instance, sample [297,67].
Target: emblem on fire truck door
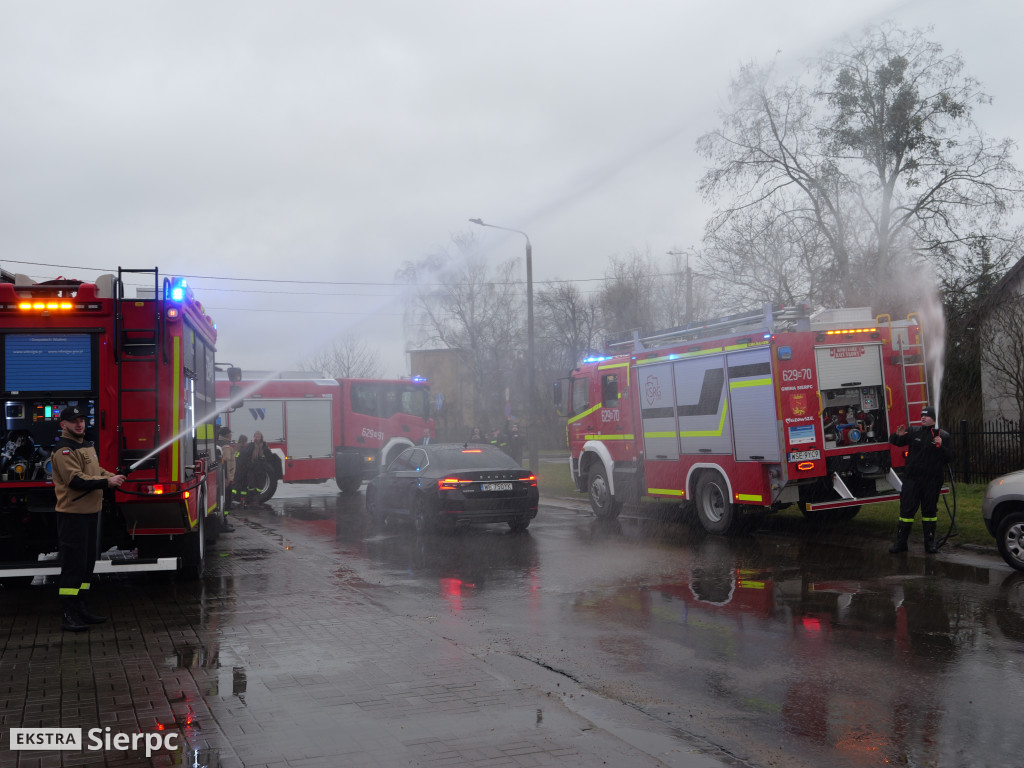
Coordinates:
[798,404]
[652,388]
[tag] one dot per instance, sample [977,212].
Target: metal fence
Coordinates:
[985,450]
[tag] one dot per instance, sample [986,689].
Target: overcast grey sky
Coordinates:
[332,141]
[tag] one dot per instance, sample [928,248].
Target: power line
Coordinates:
[279,281]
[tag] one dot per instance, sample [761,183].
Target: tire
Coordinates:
[349,485]
[193,547]
[268,489]
[518,526]
[604,504]
[373,509]
[715,510]
[1010,540]
[422,518]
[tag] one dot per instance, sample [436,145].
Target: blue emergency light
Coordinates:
[178,290]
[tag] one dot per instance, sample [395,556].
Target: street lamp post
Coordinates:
[531,409]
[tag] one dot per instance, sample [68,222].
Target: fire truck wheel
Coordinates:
[268,490]
[605,506]
[715,510]
[349,485]
[193,549]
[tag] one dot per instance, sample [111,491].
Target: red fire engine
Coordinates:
[345,429]
[142,368]
[751,412]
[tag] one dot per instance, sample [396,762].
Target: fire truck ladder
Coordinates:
[137,353]
[912,360]
[766,319]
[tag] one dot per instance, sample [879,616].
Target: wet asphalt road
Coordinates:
[781,648]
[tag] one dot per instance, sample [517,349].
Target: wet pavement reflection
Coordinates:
[786,646]
[802,644]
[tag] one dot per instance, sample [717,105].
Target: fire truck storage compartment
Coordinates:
[309,428]
[702,401]
[753,406]
[656,412]
[852,394]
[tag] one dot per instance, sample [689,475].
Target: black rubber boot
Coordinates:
[70,620]
[902,534]
[929,538]
[88,616]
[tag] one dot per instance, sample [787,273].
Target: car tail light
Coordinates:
[531,481]
[451,483]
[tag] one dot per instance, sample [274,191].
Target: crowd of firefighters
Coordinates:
[248,464]
[509,440]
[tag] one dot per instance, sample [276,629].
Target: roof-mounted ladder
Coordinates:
[768,319]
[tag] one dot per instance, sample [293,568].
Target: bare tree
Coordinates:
[348,357]
[768,257]
[881,157]
[628,299]
[567,324]
[459,301]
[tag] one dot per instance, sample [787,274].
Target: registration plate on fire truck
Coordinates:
[496,486]
[804,455]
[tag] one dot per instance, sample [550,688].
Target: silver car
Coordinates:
[1003,511]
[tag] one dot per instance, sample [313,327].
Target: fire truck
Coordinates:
[346,429]
[142,368]
[749,413]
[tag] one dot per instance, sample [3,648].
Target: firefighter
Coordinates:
[498,440]
[255,465]
[79,482]
[227,455]
[927,456]
[514,443]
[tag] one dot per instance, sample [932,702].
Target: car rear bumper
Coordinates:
[488,510]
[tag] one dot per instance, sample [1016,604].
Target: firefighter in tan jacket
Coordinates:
[79,482]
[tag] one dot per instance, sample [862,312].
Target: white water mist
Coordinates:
[933,323]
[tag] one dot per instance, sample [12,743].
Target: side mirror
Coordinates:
[559,397]
[234,374]
[234,397]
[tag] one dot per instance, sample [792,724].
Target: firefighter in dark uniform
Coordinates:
[79,482]
[255,464]
[927,457]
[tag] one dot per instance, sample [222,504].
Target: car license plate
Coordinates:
[804,455]
[496,486]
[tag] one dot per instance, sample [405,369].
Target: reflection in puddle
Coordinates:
[193,657]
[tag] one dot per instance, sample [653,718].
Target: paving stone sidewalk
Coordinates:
[274,661]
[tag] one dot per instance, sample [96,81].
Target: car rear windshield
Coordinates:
[475,457]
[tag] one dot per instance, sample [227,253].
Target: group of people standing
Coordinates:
[509,440]
[248,464]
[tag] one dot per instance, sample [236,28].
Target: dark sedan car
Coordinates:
[445,484]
